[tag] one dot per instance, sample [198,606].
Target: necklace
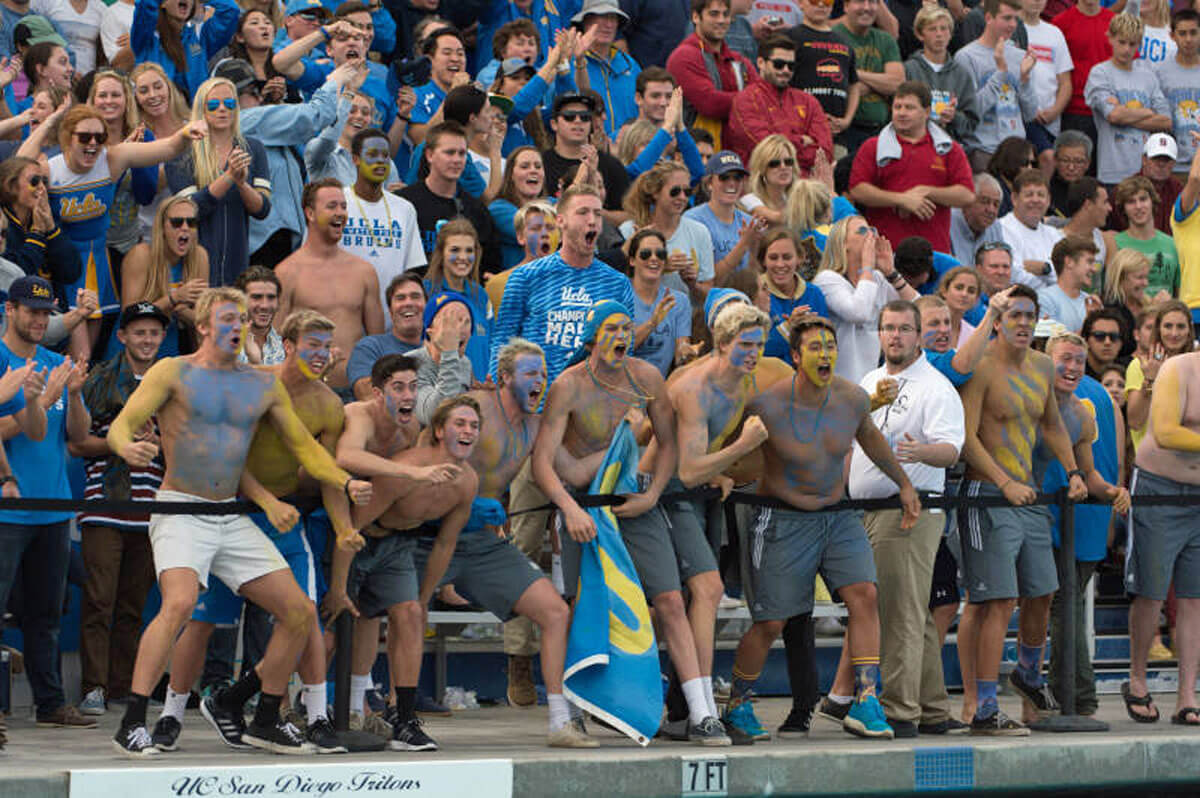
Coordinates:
[367,222]
[639,398]
[511,436]
[812,434]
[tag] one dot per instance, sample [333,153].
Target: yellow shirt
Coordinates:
[1134,380]
[1187,244]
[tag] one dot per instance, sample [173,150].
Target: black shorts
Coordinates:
[944,589]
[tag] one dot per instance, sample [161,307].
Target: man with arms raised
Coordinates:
[324,277]
[1006,552]
[584,407]
[390,522]
[272,474]
[206,405]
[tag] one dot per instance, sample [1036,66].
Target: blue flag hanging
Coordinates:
[612,666]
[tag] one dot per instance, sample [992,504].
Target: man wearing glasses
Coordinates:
[571,121]
[924,426]
[772,105]
[1104,332]
[825,65]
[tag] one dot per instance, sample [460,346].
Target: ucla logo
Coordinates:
[80,208]
[39,291]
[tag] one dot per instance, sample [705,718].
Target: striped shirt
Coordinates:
[546,301]
[143,486]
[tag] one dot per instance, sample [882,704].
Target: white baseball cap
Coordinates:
[1161,144]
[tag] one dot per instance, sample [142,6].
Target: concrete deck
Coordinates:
[37,761]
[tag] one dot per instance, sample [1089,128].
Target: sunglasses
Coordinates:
[576,116]
[311,16]
[36,181]
[677,190]
[783,63]
[179,221]
[1106,336]
[87,137]
[646,254]
[994,245]
[864,230]
[213,104]
[778,162]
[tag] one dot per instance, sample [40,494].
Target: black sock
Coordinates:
[799,646]
[237,694]
[267,713]
[135,711]
[406,703]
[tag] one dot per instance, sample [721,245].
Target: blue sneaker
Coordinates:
[740,715]
[866,719]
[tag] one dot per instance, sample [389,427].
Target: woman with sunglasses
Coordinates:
[165,33]
[454,266]
[858,277]
[1125,279]
[227,176]
[170,270]
[82,181]
[658,199]
[783,294]
[524,181]
[662,316]
[960,287]
[34,241]
[772,172]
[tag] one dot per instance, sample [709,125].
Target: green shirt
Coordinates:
[872,52]
[1164,261]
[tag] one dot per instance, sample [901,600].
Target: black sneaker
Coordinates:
[134,742]
[797,724]
[903,728]
[166,733]
[708,732]
[736,735]
[230,725]
[409,736]
[280,737]
[1039,695]
[998,725]
[831,710]
[321,734]
[947,726]
[676,730]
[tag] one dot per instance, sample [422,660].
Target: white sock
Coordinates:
[576,712]
[556,573]
[314,698]
[840,699]
[708,696]
[560,710]
[358,691]
[174,705]
[693,691]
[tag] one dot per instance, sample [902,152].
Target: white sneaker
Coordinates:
[730,603]
[93,702]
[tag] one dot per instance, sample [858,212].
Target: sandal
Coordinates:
[1146,701]
[1188,716]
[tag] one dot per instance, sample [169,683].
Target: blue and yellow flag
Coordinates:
[612,657]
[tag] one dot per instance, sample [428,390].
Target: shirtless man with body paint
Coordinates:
[272,474]
[206,405]
[383,577]
[585,406]
[812,421]
[1006,553]
[325,278]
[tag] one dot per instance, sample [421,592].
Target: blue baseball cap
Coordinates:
[724,162]
[296,6]
[32,292]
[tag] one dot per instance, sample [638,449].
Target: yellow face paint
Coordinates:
[818,358]
[617,331]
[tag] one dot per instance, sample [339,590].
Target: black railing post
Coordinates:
[344,646]
[1068,591]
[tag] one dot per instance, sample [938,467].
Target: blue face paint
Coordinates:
[528,381]
[229,327]
[312,356]
[747,348]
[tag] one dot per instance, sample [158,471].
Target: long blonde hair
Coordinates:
[177,106]
[1126,260]
[772,147]
[636,137]
[205,167]
[834,258]
[640,199]
[132,115]
[158,276]
[809,203]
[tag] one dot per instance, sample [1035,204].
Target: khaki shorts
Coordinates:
[230,547]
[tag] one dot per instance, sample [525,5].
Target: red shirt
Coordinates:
[1087,39]
[761,109]
[918,165]
[687,66]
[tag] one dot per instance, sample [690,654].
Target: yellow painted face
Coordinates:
[818,356]
[615,339]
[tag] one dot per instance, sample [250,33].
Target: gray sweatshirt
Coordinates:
[449,376]
[1003,101]
[951,82]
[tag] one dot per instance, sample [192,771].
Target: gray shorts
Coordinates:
[647,539]
[686,525]
[383,575]
[1004,552]
[489,571]
[1164,541]
[786,550]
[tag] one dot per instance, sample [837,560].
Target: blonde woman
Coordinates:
[163,111]
[858,277]
[1157,44]
[1125,280]
[658,199]
[226,175]
[772,172]
[170,270]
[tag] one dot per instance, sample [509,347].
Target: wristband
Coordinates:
[8,478]
[1076,472]
[325,33]
[345,489]
[403,118]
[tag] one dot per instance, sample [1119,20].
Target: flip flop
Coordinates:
[1188,716]
[1146,701]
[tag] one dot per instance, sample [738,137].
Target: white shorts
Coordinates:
[230,547]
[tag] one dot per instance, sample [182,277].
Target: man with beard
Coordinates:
[405,301]
[811,422]
[206,406]
[392,520]
[272,476]
[1006,552]
[322,276]
[381,228]
[584,407]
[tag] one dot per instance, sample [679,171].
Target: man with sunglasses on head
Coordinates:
[571,121]
[908,177]
[771,105]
